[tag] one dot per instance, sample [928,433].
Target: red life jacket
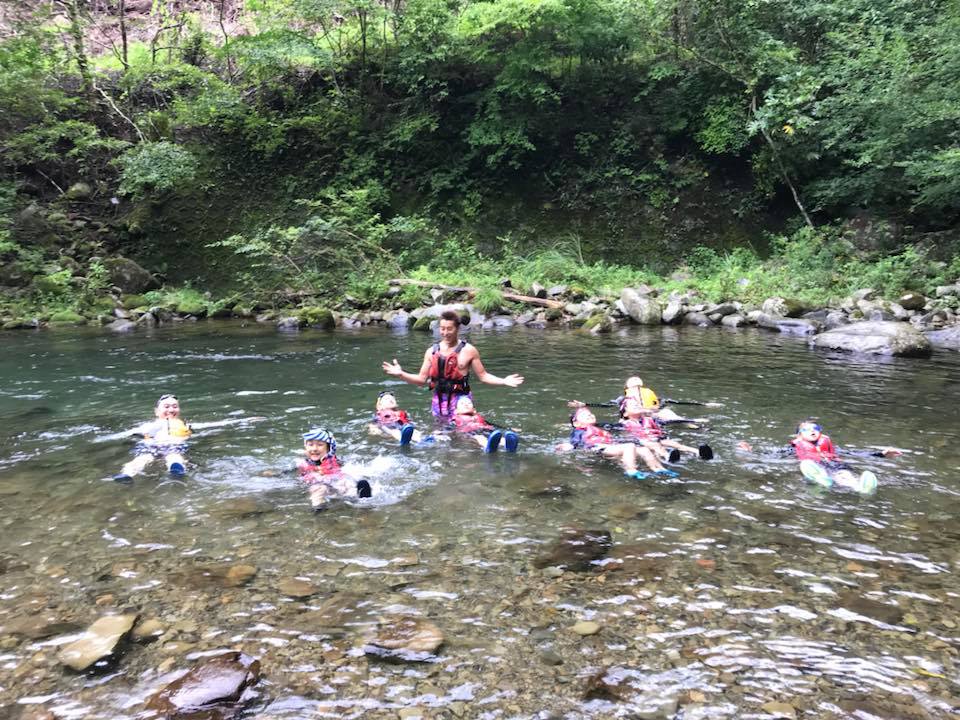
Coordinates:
[645,428]
[819,451]
[310,471]
[392,417]
[594,435]
[470,423]
[446,380]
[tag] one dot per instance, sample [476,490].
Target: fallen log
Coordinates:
[513,297]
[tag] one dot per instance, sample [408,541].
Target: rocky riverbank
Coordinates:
[911,325]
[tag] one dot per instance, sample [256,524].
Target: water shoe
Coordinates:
[706,452]
[493,442]
[511,440]
[637,475]
[816,473]
[663,472]
[406,433]
[177,469]
[674,456]
[363,489]
[122,478]
[868,483]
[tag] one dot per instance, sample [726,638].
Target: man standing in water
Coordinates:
[446,367]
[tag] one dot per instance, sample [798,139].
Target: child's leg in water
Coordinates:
[318,494]
[137,465]
[176,463]
[626,453]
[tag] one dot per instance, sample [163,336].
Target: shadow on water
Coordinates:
[733,591]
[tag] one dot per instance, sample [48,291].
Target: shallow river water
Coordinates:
[736,591]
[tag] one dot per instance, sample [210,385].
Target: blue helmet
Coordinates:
[322,435]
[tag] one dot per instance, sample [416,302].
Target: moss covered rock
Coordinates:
[67,317]
[422,324]
[599,323]
[319,317]
[191,307]
[103,305]
[130,302]
[553,314]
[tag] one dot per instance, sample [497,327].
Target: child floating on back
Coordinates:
[320,470]
[819,461]
[392,421]
[641,424]
[166,437]
[588,435]
[467,420]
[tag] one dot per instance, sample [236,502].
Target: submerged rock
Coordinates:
[39,626]
[337,611]
[889,614]
[214,688]
[576,550]
[878,338]
[215,575]
[405,638]
[296,588]
[98,641]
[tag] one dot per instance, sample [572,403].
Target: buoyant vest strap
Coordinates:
[446,380]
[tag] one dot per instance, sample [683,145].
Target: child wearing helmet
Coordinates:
[467,420]
[633,387]
[642,425]
[321,472]
[819,461]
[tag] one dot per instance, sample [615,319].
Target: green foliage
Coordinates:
[488,300]
[154,168]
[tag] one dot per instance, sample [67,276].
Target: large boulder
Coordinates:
[642,309]
[784,307]
[674,311]
[878,338]
[948,338]
[788,326]
[912,301]
[130,277]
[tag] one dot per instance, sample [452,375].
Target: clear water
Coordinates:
[731,588]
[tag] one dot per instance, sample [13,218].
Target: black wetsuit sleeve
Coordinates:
[856,452]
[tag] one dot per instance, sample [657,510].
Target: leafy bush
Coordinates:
[155,168]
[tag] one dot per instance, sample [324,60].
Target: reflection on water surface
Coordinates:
[735,591]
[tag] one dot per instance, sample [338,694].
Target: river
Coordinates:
[734,591]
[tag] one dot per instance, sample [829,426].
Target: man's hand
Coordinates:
[510,380]
[394,368]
